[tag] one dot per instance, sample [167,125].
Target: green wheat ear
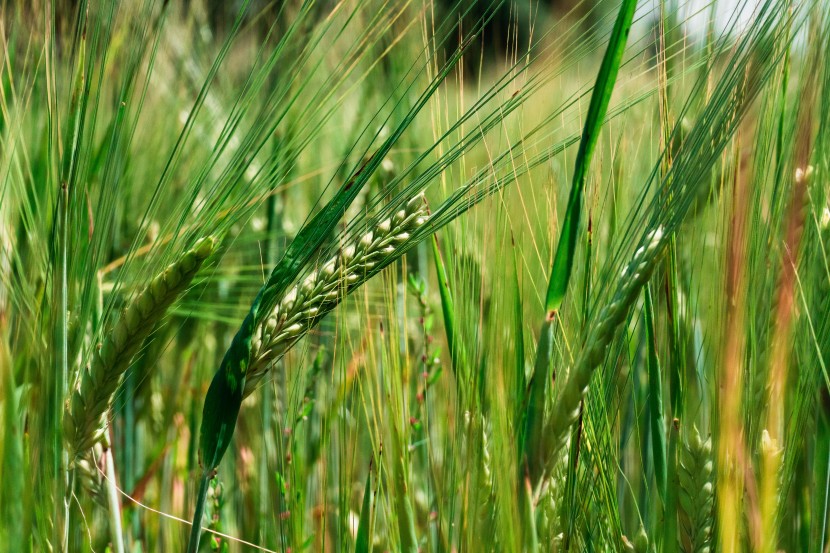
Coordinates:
[696,494]
[321,291]
[85,416]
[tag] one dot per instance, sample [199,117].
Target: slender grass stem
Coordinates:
[113,502]
[67,508]
[196,528]
[63,360]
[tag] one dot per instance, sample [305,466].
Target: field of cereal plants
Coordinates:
[418,276]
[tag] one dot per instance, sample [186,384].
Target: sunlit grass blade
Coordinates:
[563,258]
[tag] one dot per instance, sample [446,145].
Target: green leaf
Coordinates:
[362,541]
[607,76]
[563,260]
[655,400]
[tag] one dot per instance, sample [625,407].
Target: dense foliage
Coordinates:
[381,275]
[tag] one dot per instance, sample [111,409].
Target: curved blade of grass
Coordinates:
[563,259]
[655,400]
[606,78]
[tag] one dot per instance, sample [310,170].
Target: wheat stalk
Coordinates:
[696,495]
[320,292]
[84,421]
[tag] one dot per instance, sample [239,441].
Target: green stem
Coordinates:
[670,540]
[67,502]
[113,503]
[61,457]
[529,534]
[196,528]
[655,401]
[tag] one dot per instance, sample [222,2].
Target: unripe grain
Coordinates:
[84,421]
[320,292]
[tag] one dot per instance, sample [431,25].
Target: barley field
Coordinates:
[415,276]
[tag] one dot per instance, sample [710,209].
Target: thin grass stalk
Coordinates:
[198,513]
[519,340]
[401,496]
[68,173]
[670,538]
[665,68]
[655,400]
[113,500]
[821,475]
[268,395]
[529,531]
[63,360]
[820,511]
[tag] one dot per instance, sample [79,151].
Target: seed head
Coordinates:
[321,291]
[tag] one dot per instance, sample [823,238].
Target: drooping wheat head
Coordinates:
[320,292]
[85,414]
[566,409]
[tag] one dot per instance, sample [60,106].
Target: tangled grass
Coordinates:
[393,276]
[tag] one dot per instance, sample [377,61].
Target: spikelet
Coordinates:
[696,494]
[641,543]
[84,421]
[88,473]
[320,292]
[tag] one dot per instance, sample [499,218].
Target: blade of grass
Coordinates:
[655,400]
[604,86]
[566,247]
[457,354]
[363,540]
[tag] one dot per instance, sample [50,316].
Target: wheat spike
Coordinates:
[696,494]
[566,408]
[84,421]
[320,292]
